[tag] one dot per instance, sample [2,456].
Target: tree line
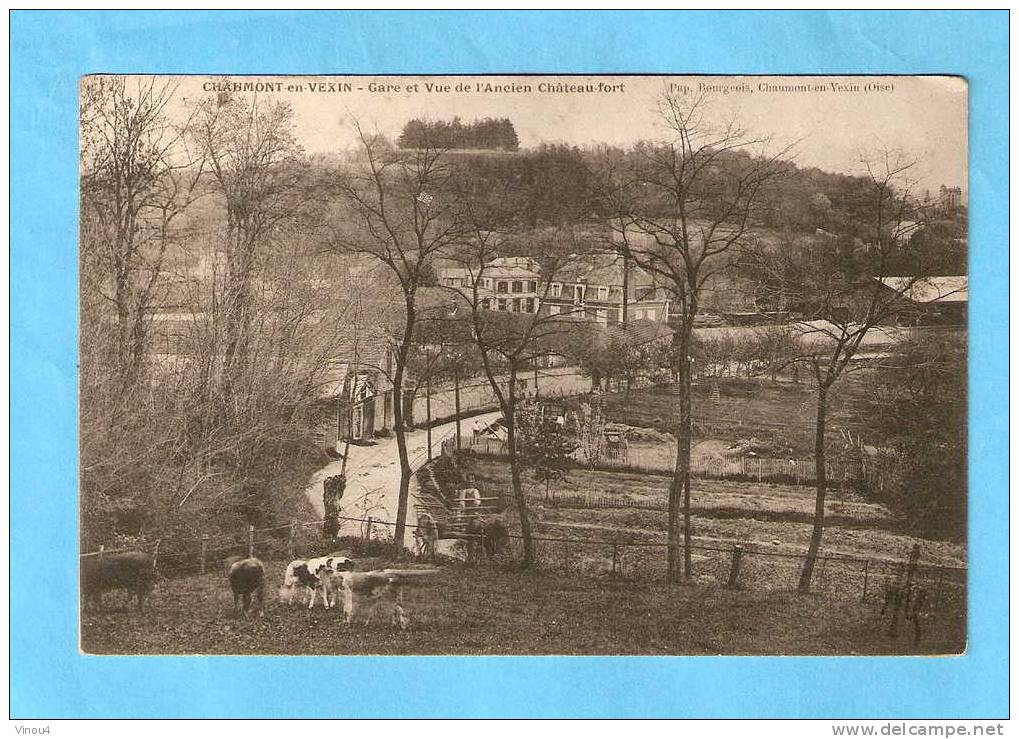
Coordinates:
[482,133]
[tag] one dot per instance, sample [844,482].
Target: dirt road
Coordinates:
[373,474]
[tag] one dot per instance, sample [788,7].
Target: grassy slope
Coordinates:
[492,611]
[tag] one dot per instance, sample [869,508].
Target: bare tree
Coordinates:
[398,212]
[256,165]
[137,179]
[843,293]
[509,343]
[679,206]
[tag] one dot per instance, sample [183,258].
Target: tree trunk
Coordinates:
[684,442]
[679,490]
[456,398]
[400,429]
[675,493]
[822,488]
[518,488]
[237,319]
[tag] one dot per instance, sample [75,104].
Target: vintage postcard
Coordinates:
[607,365]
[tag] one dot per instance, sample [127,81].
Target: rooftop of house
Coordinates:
[639,332]
[601,269]
[503,271]
[942,289]
[510,272]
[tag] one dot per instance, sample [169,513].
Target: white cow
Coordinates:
[314,575]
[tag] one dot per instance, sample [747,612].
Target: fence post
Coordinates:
[368,529]
[760,475]
[251,540]
[615,558]
[155,555]
[205,545]
[102,548]
[737,557]
[866,576]
[292,539]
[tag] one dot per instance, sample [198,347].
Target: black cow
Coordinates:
[247,579]
[496,537]
[133,572]
[492,533]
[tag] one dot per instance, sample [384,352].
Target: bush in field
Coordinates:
[546,446]
[919,403]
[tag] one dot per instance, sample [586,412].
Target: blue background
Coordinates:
[50,50]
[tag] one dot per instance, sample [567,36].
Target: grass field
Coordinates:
[572,605]
[494,610]
[723,510]
[780,416]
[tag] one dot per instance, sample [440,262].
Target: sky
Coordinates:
[831,120]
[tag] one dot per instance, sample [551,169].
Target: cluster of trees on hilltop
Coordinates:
[484,133]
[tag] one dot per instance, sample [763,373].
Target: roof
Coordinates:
[523,262]
[812,333]
[601,268]
[509,272]
[638,333]
[946,289]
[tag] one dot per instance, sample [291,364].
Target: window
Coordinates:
[518,286]
[501,286]
[486,282]
[603,293]
[553,310]
[500,304]
[529,305]
[532,287]
[557,289]
[650,313]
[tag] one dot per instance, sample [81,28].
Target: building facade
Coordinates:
[601,287]
[507,284]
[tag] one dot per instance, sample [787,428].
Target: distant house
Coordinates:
[359,381]
[592,286]
[939,300]
[508,284]
[513,284]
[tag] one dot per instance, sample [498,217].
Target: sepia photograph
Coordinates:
[523,365]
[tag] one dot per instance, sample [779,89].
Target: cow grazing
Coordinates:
[133,572]
[374,586]
[426,534]
[298,577]
[314,575]
[496,537]
[247,579]
[483,536]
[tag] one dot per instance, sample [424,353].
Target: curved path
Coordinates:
[373,474]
